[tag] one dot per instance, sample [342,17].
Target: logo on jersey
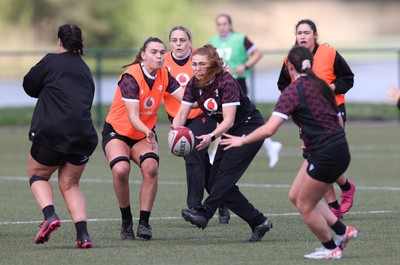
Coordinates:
[84,159]
[183,79]
[210,104]
[149,103]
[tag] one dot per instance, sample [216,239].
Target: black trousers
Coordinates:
[242,83]
[198,162]
[227,169]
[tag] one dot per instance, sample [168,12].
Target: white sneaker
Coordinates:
[273,153]
[324,253]
[341,241]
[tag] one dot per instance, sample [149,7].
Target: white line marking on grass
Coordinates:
[182,183]
[177,217]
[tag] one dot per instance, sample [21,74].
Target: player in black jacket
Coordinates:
[62,132]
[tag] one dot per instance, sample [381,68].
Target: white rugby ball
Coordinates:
[180,141]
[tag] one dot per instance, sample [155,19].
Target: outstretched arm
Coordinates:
[132,108]
[265,131]
[181,116]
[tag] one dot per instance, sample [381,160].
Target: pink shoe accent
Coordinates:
[88,244]
[84,242]
[46,229]
[347,198]
[337,212]
[351,233]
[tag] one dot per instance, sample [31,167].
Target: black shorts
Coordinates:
[109,134]
[329,165]
[49,157]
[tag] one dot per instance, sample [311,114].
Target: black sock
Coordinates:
[339,228]
[81,229]
[330,244]
[334,205]
[48,211]
[144,217]
[126,214]
[346,186]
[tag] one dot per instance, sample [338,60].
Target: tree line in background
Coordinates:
[105,24]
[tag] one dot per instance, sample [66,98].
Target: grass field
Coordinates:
[376,214]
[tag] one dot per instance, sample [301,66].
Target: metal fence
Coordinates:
[374,69]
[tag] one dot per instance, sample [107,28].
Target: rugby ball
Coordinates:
[180,141]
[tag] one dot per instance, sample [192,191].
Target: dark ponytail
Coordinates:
[70,36]
[138,57]
[302,60]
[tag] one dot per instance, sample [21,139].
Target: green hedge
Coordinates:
[376,112]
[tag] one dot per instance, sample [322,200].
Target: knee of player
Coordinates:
[292,198]
[149,164]
[39,179]
[304,208]
[120,167]
[66,184]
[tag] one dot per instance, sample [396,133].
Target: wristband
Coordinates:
[246,67]
[212,137]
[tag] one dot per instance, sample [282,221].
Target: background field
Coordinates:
[376,214]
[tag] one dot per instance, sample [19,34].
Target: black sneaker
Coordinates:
[46,228]
[223,215]
[84,242]
[127,231]
[260,230]
[144,231]
[196,217]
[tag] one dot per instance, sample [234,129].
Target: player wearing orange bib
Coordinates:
[330,66]
[129,131]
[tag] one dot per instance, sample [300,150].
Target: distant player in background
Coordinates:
[129,131]
[197,162]
[330,66]
[393,94]
[240,54]
[62,132]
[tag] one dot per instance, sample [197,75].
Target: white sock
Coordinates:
[267,143]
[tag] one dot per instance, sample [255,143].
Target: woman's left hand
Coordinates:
[231,141]
[151,139]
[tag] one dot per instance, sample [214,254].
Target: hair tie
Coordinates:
[305,64]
